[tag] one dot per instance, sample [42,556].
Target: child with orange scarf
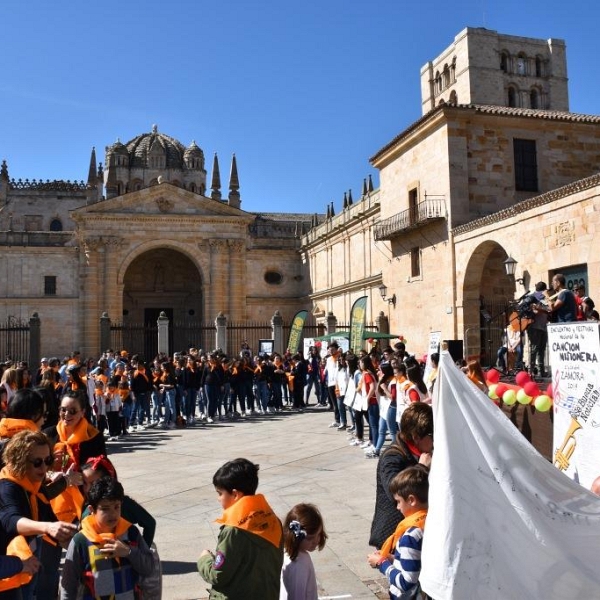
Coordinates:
[249,554]
[109,554]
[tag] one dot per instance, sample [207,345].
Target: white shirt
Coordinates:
[298,579]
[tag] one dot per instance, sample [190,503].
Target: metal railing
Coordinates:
[424,212]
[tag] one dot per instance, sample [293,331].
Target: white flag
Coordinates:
[503,523]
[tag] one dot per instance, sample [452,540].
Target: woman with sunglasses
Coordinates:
[24,510]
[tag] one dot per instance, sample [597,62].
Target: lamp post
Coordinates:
[510,265]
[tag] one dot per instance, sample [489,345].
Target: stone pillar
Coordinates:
[236,292]
[331,322]
[277,332]
[221,324]
[383,323]
[104,333]
[91,274]
[219,268]
[35,340]
[163,333]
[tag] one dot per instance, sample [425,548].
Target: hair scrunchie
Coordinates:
[297,530]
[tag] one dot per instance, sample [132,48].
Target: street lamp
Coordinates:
[383,291]
[510,264]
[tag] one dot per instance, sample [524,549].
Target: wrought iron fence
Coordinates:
[251,333]
[14,340]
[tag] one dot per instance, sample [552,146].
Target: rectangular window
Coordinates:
[526,179]
[50,285]
[415,262]
[413,206]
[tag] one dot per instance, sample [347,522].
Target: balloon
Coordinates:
[523,398]
[522,377]
[543,403]
[500,389]
[401,338]
[318,344]
[550,391]
[531,389]
[370,340]
[492,392]
[509,397]
[493,376]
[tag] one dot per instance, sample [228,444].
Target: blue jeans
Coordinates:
[157,401]
[502,357]
[264,394]
[342,410]
[373,416]
[313,381]
[170,408]
[141,407]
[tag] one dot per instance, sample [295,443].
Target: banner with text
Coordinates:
[574,351]
[296,331]
[357,323]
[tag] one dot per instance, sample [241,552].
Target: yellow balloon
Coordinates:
[492,392]
[543,403]
[522,397]
[509,397]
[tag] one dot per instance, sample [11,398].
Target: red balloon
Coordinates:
[500,389]
[531,389]
[493,376]
[522,378]
[550,391]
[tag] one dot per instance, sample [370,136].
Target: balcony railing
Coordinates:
[416,216]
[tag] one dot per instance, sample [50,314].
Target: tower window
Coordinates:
[50,285]
[512,96]
[56,225]
[525,165]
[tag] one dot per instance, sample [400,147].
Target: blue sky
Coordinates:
[302,92]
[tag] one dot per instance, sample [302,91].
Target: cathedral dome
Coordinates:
[140,147]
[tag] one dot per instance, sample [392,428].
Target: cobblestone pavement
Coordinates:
[301,460]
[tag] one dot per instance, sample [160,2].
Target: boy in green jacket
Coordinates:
[249,555]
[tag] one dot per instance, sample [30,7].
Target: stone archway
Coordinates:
[487,291]
[162,279]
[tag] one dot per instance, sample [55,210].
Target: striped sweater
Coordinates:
[403,573]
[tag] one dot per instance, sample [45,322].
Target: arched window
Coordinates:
[437,86]
[453,98]
[538,67]
[534,98]
[193,188]
[453,71]
[56,225]
[512,96]
[504,61]
[446,76]
[522,64]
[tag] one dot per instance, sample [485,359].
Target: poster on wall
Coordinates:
[435,337]
[574,351]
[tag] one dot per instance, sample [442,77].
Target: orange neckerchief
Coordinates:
[89,528]
[33,489]
[10,427]
[18,546]
[141,372]
[415,520]
[253,514]
[83,431]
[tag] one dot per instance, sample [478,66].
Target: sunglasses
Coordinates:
[38,462]
[71,411]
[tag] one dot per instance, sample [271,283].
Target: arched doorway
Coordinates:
[487,294]
[164,280]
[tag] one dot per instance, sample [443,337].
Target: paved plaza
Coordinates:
[301,460]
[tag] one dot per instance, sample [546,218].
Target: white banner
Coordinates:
[574,350]
[435,337]
[503,523]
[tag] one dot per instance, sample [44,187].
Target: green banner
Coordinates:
[296,331]
[357,323]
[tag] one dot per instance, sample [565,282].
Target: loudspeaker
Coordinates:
[455,347]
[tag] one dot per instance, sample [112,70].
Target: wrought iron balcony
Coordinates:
[416,216]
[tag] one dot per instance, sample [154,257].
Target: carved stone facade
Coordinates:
[159,245]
